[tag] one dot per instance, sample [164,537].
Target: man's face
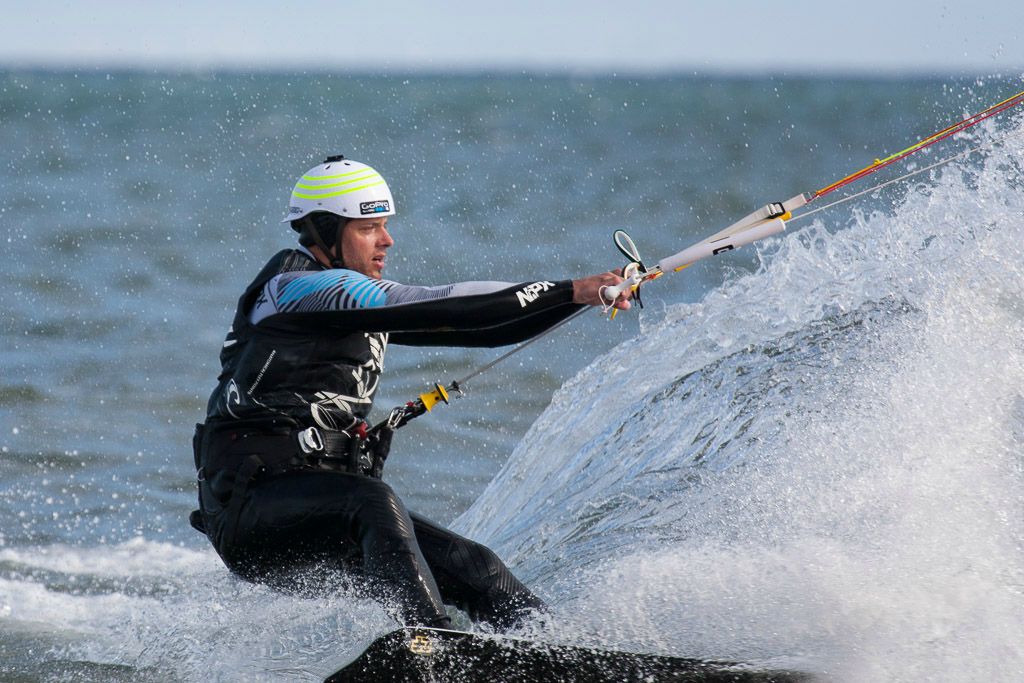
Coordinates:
[364,245]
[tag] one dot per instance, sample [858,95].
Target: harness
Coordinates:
[246,450]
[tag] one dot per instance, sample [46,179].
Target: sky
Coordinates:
[635,36]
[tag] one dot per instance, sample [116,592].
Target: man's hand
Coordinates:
[588,290]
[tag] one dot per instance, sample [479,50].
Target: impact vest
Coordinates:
[318,376]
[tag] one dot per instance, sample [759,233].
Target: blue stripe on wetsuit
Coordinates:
[363,290]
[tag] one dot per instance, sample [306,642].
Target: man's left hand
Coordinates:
[588,290]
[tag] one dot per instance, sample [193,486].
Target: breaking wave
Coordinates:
[819,461]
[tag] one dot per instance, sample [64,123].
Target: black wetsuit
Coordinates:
[281,491]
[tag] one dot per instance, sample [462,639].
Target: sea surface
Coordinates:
[803,453]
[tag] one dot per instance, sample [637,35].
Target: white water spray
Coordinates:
[818,462]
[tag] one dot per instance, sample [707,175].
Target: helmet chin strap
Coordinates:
[333,254]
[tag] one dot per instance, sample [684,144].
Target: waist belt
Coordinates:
[281,445]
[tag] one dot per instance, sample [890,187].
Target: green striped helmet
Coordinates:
[342,187]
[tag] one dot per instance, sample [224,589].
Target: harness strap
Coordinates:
[251,467]
[379,446]
[332,449]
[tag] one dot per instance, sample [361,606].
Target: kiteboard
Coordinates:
[415,655]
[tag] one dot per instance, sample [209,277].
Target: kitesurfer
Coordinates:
[289,479]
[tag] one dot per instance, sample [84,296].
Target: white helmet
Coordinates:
[342,187]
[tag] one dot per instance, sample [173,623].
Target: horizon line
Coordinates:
[535,71]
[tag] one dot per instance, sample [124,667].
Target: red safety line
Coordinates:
[926,142]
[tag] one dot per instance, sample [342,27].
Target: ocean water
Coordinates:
[804,453]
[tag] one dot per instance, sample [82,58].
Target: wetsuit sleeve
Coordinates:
[460,314]
[512,331]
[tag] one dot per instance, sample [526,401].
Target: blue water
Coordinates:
[803,452]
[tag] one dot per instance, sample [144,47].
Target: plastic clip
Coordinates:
[432,398]
[311,440]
